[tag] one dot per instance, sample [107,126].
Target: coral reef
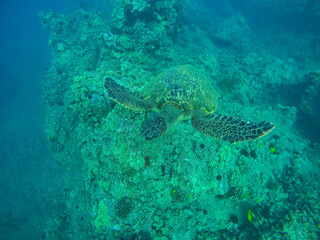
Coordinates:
[311,98]
[102,219]
[148,24]
[182,185]
[124,207]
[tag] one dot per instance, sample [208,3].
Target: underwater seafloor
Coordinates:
[262,59]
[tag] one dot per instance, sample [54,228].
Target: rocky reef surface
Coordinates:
[182,185]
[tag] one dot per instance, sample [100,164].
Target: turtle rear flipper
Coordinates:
[125,97]
[230,129]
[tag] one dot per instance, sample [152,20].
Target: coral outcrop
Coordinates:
[182,185]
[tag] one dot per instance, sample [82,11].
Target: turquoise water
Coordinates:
[74,162]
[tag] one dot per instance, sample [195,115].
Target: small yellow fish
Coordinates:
[249,215]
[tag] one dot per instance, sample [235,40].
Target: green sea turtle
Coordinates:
[182,93]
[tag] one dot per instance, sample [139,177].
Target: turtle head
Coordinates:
[153,127]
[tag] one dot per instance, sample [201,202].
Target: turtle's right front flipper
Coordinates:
[230,129]
[125,97]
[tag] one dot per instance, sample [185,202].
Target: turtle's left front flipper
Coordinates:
[230,129]
[125,97]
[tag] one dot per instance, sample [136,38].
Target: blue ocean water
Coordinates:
[44,196]
[28,176]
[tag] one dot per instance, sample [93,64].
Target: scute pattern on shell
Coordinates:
[184,86]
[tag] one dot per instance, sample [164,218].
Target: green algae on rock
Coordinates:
[102,219]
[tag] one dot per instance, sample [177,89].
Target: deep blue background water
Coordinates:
[29,179]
